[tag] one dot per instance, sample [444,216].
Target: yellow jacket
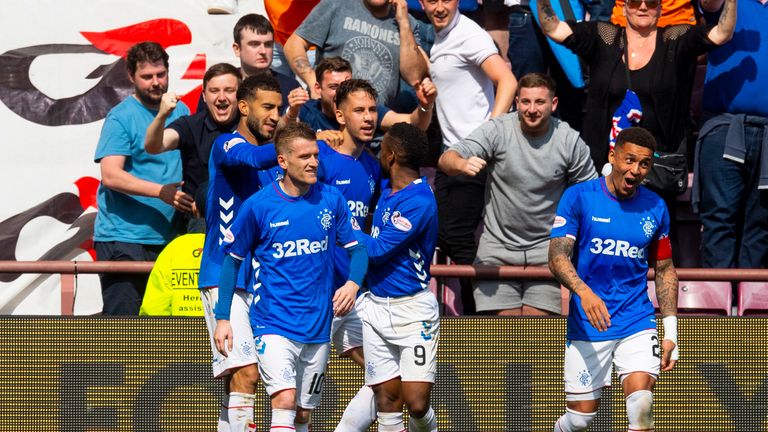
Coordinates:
[172,286]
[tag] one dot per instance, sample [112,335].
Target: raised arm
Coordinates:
[666,294]
[723,31]
[413,66]
[560,250]
[551,25]
[158,139]
[296,49]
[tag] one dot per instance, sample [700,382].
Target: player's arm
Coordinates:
[723,31]
[413,66]
[115,177]
[158,139]
[344,297]
[560,251]
[666,294]
[222,336]
[550,24]
[392,239]
[238,152]
[295,49]
[503,80]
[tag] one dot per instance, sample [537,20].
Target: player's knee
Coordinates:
[573,421]
[303,415]
[417,408]
[244,380]
[284,399]
[640,409]
[387,401]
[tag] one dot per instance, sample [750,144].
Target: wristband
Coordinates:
[670,333]
[429,108]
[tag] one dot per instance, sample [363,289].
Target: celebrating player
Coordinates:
[401,322]
[234,176]
[290,228]
[619,228]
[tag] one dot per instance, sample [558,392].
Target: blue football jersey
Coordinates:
[402,241]
[614,240]
[357,179]
[234,175]
[292,239]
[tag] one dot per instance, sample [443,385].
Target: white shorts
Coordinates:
[400,338]
[243,349]
[347,331]
[285,364]
[588,365]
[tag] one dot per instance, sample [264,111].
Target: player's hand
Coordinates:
[222,337]
[167,103]
[344,298]
[472,166]
[426,93]
[669,355]
[596,311]
[334,138]
[296,99]
[171,195]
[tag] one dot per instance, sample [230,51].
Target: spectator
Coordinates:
[254,41]
[374,35]
[139,192]
[673,12]
[193,135]
[465,66]
[533,157]
[320,114]
[172,285]
[733,143]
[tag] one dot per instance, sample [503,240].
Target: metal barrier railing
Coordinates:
[70,269]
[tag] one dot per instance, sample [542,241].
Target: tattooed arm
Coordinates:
[723,31]
[560,265]
[666,294]
[296,49]
[550,24]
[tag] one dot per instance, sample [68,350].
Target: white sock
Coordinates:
[223,425]
[302,427]
[573,421]
[360,412]
[282,420]
[391,422]
[428,423]
[240,412]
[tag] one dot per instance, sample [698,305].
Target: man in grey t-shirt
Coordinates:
[376,36]
[531,159]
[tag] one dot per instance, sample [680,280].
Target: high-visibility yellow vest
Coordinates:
[172,286]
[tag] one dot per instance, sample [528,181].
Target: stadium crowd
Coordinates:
[363,135]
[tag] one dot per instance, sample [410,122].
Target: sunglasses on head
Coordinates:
[650,4]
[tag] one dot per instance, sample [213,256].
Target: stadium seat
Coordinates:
[699,297]
[752,298]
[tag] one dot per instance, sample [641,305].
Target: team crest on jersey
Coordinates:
[371,184]
[400,222]
[355,225]
[584,378]
[371,369]
[231,143]
[649,226]
[559,222]
[385,216]
[325,217]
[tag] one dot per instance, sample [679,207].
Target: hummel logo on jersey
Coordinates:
[616,248]
[343,182]
[279,224]
[599,219]
[293,248]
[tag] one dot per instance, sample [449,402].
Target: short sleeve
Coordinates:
[479,47]
[568,216]
[113,141]
[661,247]
[317,25]
[241,238]
[182,126]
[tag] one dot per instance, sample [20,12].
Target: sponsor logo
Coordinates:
[559,222]
[599,219]
[343,182]
[616,248]
[358,208]
[233,142]
[401,222]
[279,224]
[294,248]
[649,226]
[326,218]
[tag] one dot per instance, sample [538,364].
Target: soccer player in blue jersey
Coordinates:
[233,167]
[401,322]
[619,228]
[290,227]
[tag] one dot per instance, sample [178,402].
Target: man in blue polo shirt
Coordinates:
[619,228]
